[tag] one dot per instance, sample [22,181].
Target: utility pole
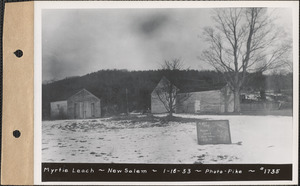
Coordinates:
[127,109]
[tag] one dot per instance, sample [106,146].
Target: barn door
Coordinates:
[93,109]
[197,106]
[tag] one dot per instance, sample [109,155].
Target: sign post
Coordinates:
[213,132]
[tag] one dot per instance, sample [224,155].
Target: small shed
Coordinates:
[83,105]
[58,110]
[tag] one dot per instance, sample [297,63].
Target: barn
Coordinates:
[201,100]
[81,105]
[218,100]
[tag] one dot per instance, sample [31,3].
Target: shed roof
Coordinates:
[67,94]
[84,90]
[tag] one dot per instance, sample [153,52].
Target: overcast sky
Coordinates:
[79,41]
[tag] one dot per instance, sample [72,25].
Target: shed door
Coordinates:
[81,110]
[197,106]
[75,110]
[93,109]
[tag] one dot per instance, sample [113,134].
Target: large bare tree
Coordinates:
[244,41]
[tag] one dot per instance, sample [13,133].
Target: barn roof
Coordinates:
[187,88]
[195,85]
[163,81]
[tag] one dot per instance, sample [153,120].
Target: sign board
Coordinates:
[213,132]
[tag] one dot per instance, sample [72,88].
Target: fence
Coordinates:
[260,106]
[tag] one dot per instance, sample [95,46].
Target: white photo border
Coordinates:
[40,5]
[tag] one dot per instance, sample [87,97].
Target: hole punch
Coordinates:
[16,133]
[18,53]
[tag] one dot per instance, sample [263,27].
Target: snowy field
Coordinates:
[255,139]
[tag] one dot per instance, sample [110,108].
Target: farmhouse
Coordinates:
[217,99]
[81,105]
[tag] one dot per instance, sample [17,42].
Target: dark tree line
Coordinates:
[110,86]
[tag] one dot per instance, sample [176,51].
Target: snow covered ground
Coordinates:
[255,139]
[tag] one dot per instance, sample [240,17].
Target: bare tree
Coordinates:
[166,91]
[244,41]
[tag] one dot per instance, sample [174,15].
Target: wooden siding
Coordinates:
[84,105]
[156,105]
[214,101]
[158,102]
[210,102]
[58,110]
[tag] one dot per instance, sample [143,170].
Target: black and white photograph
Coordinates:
[175,86]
